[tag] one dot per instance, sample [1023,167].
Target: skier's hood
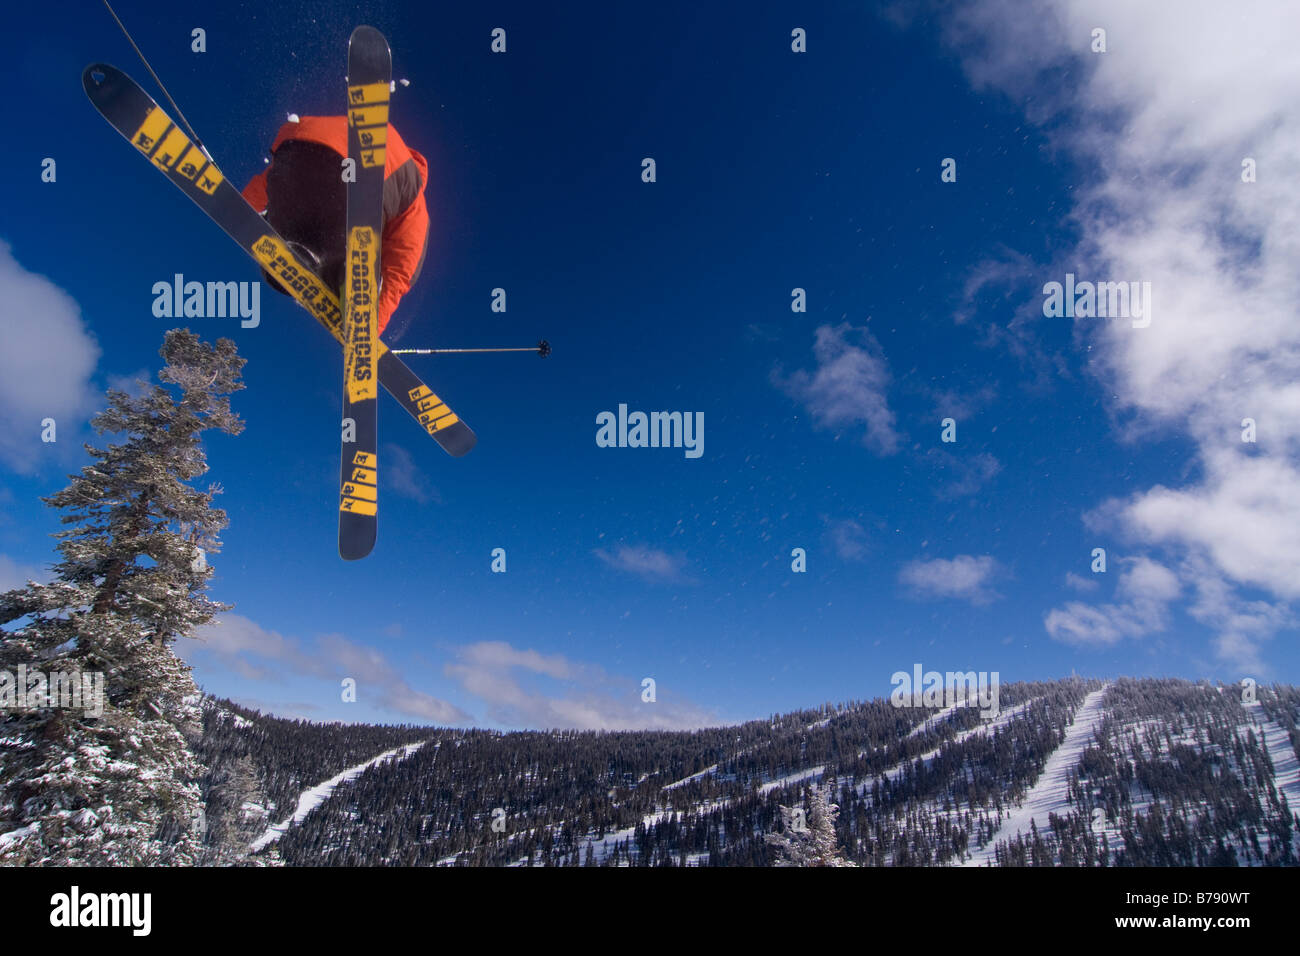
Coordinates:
[332,132]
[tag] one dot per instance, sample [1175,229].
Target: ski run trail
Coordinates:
[309,800]
[603,846]
[1286,768]
[927,725]
[810,774]
[992,727]
[1048,794]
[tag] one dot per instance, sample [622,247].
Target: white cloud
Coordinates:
[244,646]
[587,698]
[403,477]
[847,387]
[381,682]
[651,564]
[1161,123]
[136,383]
[1242,625]
[1146,582]
[1084,625]
[848,539]
[1145,591]
[962,406]
[15,574]
[46,363]
[1245,514]
[1006,283]
[965,577]
[960,475]
[519,687]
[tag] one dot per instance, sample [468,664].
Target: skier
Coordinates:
[303,197]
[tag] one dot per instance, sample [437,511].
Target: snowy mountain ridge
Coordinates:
[1132,772]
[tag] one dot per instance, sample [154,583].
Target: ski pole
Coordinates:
[131,40]
[542,348]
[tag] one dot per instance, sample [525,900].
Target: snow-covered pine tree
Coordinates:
[119,788]
[811,842]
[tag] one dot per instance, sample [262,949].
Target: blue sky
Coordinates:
[776,170]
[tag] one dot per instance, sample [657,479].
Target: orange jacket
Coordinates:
[406,217]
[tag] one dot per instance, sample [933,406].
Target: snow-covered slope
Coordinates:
[313,798]
[1048,794]
[1286,767]
[1073,772]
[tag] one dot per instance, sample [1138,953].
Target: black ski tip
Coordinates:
[458,440]
[367,34]
[368,49]
[96,76]
[356,543]
[369,59]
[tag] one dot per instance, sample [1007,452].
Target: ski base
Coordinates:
[370,68]
[135,115]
